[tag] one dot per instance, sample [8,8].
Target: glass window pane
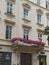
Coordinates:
[26,33]
[8,32]
[47,5]
[40,36]
[9,7]
[25,13]
[39,18]
[38,2]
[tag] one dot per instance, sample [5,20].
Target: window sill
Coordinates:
[10,14]
[27,26]
[12,0]
[9,21]
[40,24]
[5,40]
[26,20]
[40,30]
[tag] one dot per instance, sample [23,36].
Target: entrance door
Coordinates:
[5,58]
[25,59]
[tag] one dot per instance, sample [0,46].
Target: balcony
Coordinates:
[24,43]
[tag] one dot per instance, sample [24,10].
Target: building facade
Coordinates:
[22,39]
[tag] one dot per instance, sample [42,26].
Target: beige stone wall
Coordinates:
[17,27]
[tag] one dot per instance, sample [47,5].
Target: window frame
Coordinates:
[38,2]
[9,30]
[9,7]
[26,36]
[43,59]
[47,4]
[26,13]
[39,36]
[39,19]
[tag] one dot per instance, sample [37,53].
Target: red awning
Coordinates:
[28,41]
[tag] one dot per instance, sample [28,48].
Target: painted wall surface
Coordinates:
[17,28]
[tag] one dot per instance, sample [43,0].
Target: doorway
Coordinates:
[25,59]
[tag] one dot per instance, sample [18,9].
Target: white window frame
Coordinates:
[9,30]
[26,34]
[38,2]
[26,13]
[47,4]
[39,17]
[39,36]
[9,7]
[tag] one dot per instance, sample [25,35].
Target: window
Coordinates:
[26,33]
[38,2]
[40,36]
[47,5]
[9,7]
[42,60]
[8,32]
[39,18]
[3,56]
[25,13]
[47,21]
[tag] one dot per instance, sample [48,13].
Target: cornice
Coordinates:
[39,5]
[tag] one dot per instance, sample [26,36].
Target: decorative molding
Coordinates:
[11,0]
[46,50]
[26,5]
[46,46]
[10,14]
[5,45]
[40,30]
[47,13]
[39,11]
[39,5]
[5,40]
[9,21]
[26,20]
[26,26]
[40,24]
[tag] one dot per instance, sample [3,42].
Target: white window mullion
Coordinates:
[39,18]
[9,7]
[8,32]
[38,2]
[25,13]
[40,36]
[26,33]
